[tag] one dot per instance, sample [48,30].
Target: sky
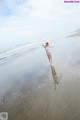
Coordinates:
[22,21]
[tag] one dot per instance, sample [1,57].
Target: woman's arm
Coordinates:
[43,46]
[51,46]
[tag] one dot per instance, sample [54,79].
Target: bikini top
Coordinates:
[47,49]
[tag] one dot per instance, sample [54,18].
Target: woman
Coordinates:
[47,48]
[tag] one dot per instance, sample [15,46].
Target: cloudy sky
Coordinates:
[22,21]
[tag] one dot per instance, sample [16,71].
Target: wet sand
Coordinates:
[29,89]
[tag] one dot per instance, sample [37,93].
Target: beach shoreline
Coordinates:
[27,85]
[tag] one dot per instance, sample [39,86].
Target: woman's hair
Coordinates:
[47,43]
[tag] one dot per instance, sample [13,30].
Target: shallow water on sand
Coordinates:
[29,89]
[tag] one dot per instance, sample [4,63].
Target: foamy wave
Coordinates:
[17,51]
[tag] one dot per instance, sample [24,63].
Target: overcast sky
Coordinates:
[22,21]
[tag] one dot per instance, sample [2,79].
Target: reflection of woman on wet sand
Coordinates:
[47,48]
[56,77]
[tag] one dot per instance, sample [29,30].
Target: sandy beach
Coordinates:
[29,90]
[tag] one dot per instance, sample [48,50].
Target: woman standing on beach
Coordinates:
[49,55]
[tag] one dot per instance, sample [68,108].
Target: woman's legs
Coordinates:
[50,58]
